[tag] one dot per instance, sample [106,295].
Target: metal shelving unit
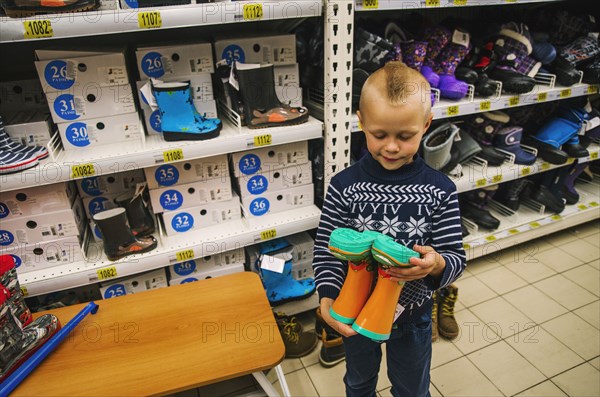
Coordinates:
[374,5]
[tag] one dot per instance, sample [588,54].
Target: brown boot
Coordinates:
[434,317]
[448,327]
[332,348]
[297,343]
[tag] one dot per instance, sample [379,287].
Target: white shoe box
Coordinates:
[277,50]
[278,201]
[119,182]
[43,227]
[201,86]
[84,103]
[201,216]
[86,72]
[187,171]
[302,249]
[94,205]
[289,95]
[50,54]
[175,60]
[37,200]
[208,272]
[29,128]
[178,197]
[31,257]
[284,178]
[187,268]
[228,257]
[153,122]
[19,95]
[302,270]
[135,284]
[100,131]
[269,158]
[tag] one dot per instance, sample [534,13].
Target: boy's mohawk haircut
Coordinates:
[401,81]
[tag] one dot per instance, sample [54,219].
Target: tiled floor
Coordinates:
[530,326]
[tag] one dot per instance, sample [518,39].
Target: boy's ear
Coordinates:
[428,122]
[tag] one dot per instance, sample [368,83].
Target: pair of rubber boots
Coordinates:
[127,229]
[20,335]
[371,312]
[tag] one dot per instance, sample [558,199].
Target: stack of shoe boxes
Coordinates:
[189,62]
[135,284]
[193,194]
[220,264]
[90,97]
[273,179]
[42,226]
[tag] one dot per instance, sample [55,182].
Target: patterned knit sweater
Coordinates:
[415,205]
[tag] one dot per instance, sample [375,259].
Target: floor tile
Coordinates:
[545,389]
[565,292]
[595,362]
[558,259]
[582,250]
[531,272]
[581,381]
[502,318]
[227,387]
[472,291]
[593,239]
[461,378]
[524,253]
[595,264]
[507,370]
[535,304]
[328,381]
[501,280]
[313,357]
[443,352]
[590,313]
[472,333]
[544,351]
[299,384]
[482,264]
[287,365]
[586,276]
[576,333]
[587,229]
[432,390]
[561,238]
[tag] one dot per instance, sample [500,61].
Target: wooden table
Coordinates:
[164,341]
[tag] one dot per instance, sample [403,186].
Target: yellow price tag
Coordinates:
[372,4]
[173,155]
[106,273]
[513,231]
[82,170]
[481,182]
[252,12]
[570,160]
[534,224]
[545,166]
[525,171]
[453,110]
[186,255]
[592,89]
[263,140]
[149,19]
[460,2]
[491,238]
[514,100]
[466,246]
[268,234]
[485,105]
[24,291]
[582,207]
[510,1]
[38,29]
[432,3]
[594,155]
[556,217]
[593,204]
[542,96]
[565,93]
[497,179]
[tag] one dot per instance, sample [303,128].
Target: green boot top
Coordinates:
[388,252]
[350,245]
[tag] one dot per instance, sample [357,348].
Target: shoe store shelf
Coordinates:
[540,93]
[478,175]
[374,5]
[107,159]
[527,223]
[58,26]
[171,249]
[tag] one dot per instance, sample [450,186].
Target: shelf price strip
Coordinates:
[485,105]
[82,170]
[106,273]
[252,12]
[453,110]
[432,3]
[149,20]
[186,255]
[460,2]
[172,155]
[263,140]
[371,4]
[268,234]
[38,29]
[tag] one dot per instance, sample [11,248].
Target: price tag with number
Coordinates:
[491,238]
[497,179]
[534,224]
[565,93]
[542,96]
[592,89]
[263,140]
[173,155]
[453,110]
[253,12]
[268,234]
[485,105]
[186,255]
[82,170]
[594,204]
[594,155]
[24,291]
[106,273]
[460,2]
[432,3]
[513,231]
[370,4]
[545,166]
[149,20]
[556,217]
[582,207]
[466,246]
[481,182]
[38,29]
[525,171]
[514,100]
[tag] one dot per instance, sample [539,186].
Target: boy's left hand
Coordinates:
[430,262]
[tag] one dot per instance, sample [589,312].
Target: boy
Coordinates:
[393,191]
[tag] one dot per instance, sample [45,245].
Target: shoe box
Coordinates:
[174,60]
[37,200]
[46,254]
[277,50]
[278,201]
[302,249]
[94,205]
[193,194]
[287,75]
[29,128]
[269,158]
[201,216]
[119,182]
[153,122]
[22,95]
[205,272]
[132,285]
[183,270]
[274,180]
[187,171]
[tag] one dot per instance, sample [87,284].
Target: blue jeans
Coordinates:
[408,354]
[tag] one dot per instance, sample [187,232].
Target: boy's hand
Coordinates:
[342,328]
[430,262]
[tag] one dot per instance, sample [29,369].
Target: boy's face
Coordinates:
[393,132]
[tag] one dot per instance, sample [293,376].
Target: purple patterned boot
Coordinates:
[437,37]
[483,127]
[447,62]
[413,53]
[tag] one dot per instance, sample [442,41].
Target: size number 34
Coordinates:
[37,29]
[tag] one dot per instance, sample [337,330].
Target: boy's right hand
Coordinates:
[342,328]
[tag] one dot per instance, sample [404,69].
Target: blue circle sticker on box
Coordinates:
[6,237]
[4,211]
[259,206]
[91,186]
[184,268]
[188,280]
[97,205]
[115,290]
[17,260]
[232,53]
[249,164]
[166,175]
[155,123]
[97,232]
[171,200]
[132,3]
[77,134]
[64,107]
[258,184]
[56,75]
[182,222]
[152,64]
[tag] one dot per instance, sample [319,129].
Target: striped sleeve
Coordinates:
[329,271]
[447,238]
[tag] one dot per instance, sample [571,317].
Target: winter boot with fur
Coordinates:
[446,63]
[437,38]
[509,140]
[484,127]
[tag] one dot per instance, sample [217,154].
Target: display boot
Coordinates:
[434,317]
[462,151]
[447,325]
[118,239]
[437,145]
[179,119]
[297,342]
[484,127]
[371,51]
[569,192]
[139,215]
[353,247]
[8,145]
[262,108]
[573,146]
[8,278]
[25,8]
[474,69]
[547,192]
[413,53]
[509,139]
[437,37]
[14,162]
[17,343]
[377,316]
[332,346]
[474,206]
[551,136]
[445,66]
[509,194]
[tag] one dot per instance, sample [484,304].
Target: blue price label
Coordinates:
[91,186]
[64,107]
[232,53]
[115,290]
[17,260]
[98,204]
[6,237]
[77,134]
[188,280]
[4,211]
[152,64]
[155,121]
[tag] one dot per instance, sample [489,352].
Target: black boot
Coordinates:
[332,348]
[262,108]
[548,194]
[118,238]
[509,194]
[473,205]
[297,342]
[139,216]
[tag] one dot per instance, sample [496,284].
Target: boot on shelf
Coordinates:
[510,193]
[474,69]
[297,342]
[437,37]
[8,145]
[8,278]
[446,63]
[437,145]
[569,192]
[549,190]
[484,127]
[332,346]
[474,206]
[139,216]
[509,140]
[447,325]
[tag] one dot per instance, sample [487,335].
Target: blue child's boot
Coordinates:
[180,121]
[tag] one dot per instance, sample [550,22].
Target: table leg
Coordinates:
[268,387]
